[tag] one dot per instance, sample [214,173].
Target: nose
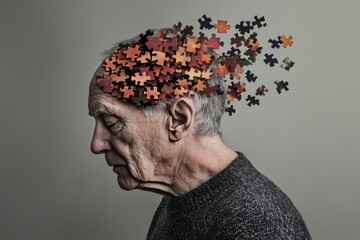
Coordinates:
[100,142]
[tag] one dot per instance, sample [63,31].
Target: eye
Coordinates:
[114,124]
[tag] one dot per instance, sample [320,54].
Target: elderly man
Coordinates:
[173,146]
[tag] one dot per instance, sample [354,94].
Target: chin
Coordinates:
[127,184]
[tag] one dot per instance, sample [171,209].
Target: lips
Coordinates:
[114,159]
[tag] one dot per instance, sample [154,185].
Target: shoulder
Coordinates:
[255,208]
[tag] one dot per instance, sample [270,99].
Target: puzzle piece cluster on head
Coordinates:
[160,65]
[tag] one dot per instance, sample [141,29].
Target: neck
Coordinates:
[194,163]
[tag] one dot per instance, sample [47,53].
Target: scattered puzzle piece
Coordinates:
[252,101]
[286,41]
[281,85]
[244,27]
[205,22]
[270,60]
[287,64]
[259,22]
[261,91]
[222,26]
[250,76]
[230,110]
[170,63]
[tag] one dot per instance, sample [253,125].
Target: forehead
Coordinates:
[100,102]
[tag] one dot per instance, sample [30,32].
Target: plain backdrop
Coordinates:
[306,140]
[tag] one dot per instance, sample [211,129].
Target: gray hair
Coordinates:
[208,110]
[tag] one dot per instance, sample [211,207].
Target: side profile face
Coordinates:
[131,142]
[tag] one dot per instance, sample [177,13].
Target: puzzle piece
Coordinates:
[287,64]
[105,82]
[153,43]
[250,76]
[261,91]
[281,85]
[199,86]
[182,58]
[253,44]
[230,109]
[210,89]
[244,27]
[275,43]
[222,26]
[177,28]
[170,44]
[109,64]
[179,92]
[270,60]
[233,51]
[192,45]
[236,73]
[205,22]
[221,70]
[259,22]
[193,73]
[151,93]
[252,100]
[238,40]
[214,42]
[140,78]
[121,77]
[127,91]
[132,52]
[187,31]
[286,41]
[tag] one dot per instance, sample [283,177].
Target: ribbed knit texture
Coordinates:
[237,203]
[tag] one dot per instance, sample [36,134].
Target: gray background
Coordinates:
[306,140]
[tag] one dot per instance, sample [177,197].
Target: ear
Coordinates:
[181,117]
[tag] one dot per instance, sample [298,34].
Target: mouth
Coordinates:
[114,160]
[119,169]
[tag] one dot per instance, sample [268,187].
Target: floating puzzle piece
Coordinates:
[259,22]
[177,28]
[222,26]
[286,41]
[287,64]
[205,22]
[281,85]
[270,60]
[275,43]
[252,100]
[238,40]
[221,70]
[261,91]
[187,31]
[244,27]
[250,76]
[214,42]
[230,109]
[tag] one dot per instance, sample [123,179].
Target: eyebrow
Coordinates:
[100,108]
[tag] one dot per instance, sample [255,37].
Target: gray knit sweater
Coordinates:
[237,203]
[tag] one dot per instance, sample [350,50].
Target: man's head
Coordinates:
[142,141]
